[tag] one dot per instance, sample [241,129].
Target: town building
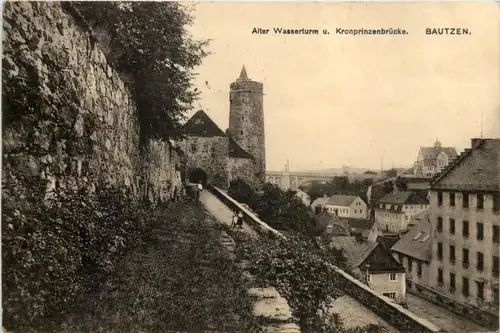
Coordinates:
[465,230]
[306,199]
[413,251]
[347,206]
[329,224]
[217,157]
[383,273]
[432,160]
[394,211]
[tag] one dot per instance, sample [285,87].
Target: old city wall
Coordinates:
[209,154]
[67,113]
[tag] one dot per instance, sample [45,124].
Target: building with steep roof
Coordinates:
[431,160]
[465,230]
[383,273]
[394,211]
[347,206]
[413,251]
[217,157]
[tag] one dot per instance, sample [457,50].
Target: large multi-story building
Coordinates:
[465,229]
[394,211]
[432,160]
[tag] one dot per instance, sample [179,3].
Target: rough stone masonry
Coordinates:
[84,128]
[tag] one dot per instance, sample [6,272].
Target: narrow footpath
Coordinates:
[220,211]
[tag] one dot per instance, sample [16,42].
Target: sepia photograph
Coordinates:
[253,166]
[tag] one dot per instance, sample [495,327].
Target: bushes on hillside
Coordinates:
[51,248]
[281,210]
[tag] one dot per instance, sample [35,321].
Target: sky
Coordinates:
[334,100]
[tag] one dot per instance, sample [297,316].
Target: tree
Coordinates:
[149,41]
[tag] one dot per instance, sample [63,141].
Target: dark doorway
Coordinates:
[198,176]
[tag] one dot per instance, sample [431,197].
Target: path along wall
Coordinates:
[67,113]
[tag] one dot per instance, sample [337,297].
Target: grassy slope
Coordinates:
[180,279]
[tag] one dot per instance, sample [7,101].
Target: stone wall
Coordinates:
[67,113]
[242,168]
[209,154]
[483,318]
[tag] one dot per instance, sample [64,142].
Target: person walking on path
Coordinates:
[234,220]
[199,188]
[239,222]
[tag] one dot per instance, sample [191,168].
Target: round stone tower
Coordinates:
[246,120]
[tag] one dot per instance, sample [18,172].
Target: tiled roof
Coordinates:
[200,124]
[355,251]
[362,224]
[413,246]
[341,200]
[325,218]
[404,198]
[475,169]
[319,202]
[236,151]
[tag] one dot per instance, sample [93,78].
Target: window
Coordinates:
[392,277]
[465,200]
[480,261]
[479,231]
[440,224]
[496,296]
[390,295]
[465,286]
[440,276]
[496,234]
[465,257]
[410,264]
[452,282]
[440,198]
[465,229]
[369,278]
[419,270]
[495,267]
[496,202]
[241,132]
[480,289]
[440,251]
[452,199]
[242,117]
[452,226]
[480,201]
[452,253]
[193,148]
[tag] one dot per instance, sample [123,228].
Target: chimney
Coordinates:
[475,142]
[325,196]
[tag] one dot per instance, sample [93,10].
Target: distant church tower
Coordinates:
[246,119]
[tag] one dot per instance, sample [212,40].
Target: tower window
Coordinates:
[241,132]
[242,117]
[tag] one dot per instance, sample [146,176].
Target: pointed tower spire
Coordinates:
[243,74]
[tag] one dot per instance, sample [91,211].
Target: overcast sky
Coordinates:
[333,100]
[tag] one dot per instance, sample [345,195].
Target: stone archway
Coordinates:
[198,175]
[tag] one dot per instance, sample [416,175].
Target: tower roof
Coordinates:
[243,75]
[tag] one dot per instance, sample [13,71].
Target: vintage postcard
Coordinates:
[231,166]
